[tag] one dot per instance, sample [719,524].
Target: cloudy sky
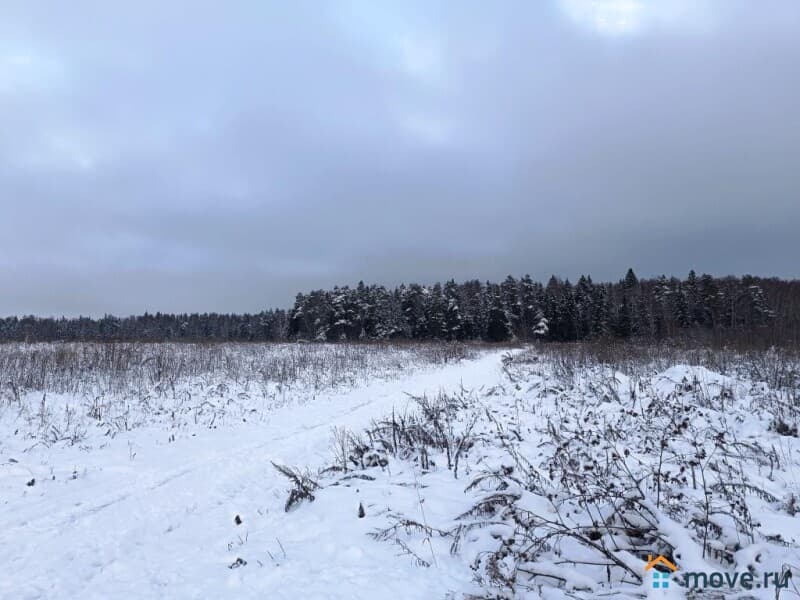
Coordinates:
[182,156]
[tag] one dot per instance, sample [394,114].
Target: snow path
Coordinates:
[149,518]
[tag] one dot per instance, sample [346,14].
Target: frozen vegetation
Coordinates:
[395,471]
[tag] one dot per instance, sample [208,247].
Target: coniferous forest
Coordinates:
[705,307]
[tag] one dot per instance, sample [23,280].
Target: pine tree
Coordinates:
[509,294]
[709,301]
[529,307]
[584,307]
[434,312]
[453,321]
[760,313]
[631,282]
[498,327]
[624,327]
[568,313]
[473,310]
[540,329]
[680,308]
[693,299]
[412,303]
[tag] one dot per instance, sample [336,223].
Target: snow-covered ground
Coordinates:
[499,474]
[142,516]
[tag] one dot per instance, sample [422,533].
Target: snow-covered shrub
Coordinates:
[675,464]
[578,471]
[57,392]
[303,485]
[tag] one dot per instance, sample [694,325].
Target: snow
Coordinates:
[138,516]
[188,504]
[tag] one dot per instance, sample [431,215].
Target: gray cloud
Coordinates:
[208,157]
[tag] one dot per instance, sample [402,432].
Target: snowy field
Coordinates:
[357,471]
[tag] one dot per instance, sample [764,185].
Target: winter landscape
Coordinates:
[405,471]
[419,300]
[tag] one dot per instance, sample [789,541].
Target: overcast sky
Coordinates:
[183,156]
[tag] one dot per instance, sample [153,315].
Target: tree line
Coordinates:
[515,309]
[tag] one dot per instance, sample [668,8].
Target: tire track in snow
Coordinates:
[131,525]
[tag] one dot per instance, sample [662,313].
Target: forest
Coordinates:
[765,311]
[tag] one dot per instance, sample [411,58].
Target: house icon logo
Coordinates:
[662,568]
